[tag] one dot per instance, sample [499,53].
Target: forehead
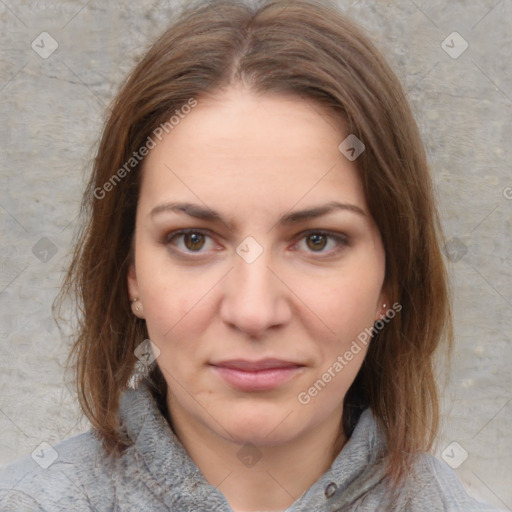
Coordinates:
[238,146]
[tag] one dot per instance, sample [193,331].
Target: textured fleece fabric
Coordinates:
[156,474]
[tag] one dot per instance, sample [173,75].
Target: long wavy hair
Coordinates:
[309,49]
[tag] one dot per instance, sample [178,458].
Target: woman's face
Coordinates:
[272,283]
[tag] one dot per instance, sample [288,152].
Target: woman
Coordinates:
[260,282]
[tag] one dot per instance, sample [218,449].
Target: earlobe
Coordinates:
[383,305]
[381,314]
[137,308]
[133,291]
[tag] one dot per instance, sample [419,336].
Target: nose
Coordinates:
[255,299]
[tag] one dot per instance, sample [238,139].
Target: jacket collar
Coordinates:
[162,464]
[172,475]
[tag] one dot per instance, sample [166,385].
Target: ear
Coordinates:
[133,285]
[133,291]
[383,304]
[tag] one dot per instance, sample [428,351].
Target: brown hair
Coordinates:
[310,50]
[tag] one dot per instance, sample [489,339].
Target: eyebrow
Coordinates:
[287,219]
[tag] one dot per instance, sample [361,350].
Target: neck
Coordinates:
[260,478]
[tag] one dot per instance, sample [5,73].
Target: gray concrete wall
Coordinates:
[51,110]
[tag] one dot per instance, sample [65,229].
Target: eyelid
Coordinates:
[180,232]
[326,232]
[169,236]
[341,239]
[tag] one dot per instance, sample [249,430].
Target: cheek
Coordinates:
[175,318]
[164,293]
[347,306]
[345,302]
[169,292]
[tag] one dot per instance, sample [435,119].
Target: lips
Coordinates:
[254,366]
[262,375]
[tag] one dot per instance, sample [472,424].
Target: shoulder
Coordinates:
[434,486]
[72,475]
[429,485]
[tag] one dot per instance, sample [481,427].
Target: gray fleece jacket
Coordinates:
[156,475]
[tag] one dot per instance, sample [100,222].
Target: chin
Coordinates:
[261,427]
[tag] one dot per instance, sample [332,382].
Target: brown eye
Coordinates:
[193,241]
[318,241]
[188,241]
[322,243]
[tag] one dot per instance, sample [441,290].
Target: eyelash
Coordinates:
[341,240]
